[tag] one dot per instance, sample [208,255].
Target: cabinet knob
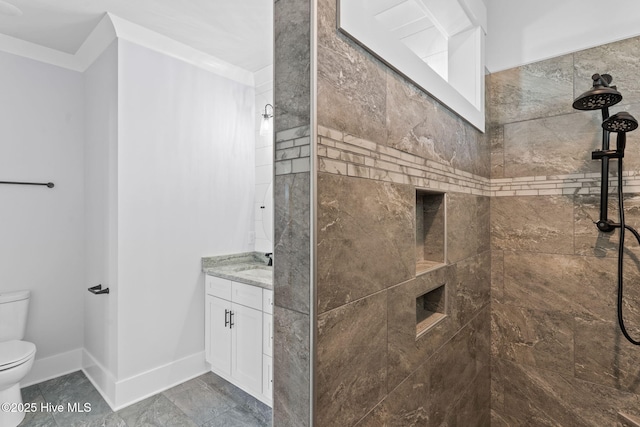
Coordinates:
[226,317]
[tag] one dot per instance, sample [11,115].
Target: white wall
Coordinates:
[521,32]
[41,229]
[154,165]
[185,190]
[264,162]
[100,189]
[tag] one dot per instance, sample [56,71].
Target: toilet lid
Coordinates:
[14,353]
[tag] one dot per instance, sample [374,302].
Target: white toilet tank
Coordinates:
[14,307]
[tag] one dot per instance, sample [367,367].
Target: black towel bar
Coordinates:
[98,290]
[48,184]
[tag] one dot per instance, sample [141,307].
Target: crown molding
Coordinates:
[112,27]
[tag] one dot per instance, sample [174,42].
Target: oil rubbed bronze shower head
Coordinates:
[600,96]
[620,122]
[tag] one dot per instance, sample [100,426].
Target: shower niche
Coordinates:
[430,230]
[430,309]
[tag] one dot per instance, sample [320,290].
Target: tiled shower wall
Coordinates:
[558,357]
[380,138]
[292,223]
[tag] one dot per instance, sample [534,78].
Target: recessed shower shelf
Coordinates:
[425,266]
[430,230]
[426,324]
[430,309]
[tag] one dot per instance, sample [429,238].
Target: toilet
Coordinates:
[16,356]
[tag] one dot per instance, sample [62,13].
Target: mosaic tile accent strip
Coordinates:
[344,154]
[293,150]
[570,184]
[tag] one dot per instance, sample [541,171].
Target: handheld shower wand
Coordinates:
[601,97]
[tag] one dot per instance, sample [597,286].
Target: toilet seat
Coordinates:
[14,353]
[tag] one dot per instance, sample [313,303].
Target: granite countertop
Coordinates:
[248,267]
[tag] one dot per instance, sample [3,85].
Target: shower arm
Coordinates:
[604,224]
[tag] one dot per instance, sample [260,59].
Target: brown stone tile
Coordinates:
[542,89]
[481,325]
[351,82]
[496,138]
[625,420]
[292,379]
[292,59]
[552,145]
[456,366]
[366,239]
[591,242]
[532,337]
[604,356]
[536,397]
[351,362]
[406,405]
[497,382]
[419,125]
[497,420]
[474,286]
[497,275]
[474,407]
[292,259]
[468,227]
[461,395]
[581,286]
[405,352]
[476,156]
[533,223]
[588,240]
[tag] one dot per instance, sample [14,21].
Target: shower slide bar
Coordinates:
[48,184]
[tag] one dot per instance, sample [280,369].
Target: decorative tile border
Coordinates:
[343,154]
[293,151]
[580,183]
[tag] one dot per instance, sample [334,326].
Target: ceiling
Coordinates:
[236,31]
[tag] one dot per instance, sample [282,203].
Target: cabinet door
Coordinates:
[267,301]
[267,334]
[246,351]
[218,334]
[267,377]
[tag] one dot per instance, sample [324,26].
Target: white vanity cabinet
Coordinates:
[236,335]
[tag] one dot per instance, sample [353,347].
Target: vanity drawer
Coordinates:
[250,296]
[218,287]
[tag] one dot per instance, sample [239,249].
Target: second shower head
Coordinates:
[621,122]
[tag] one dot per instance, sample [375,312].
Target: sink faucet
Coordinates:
[270,255]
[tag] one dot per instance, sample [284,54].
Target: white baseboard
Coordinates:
[153,381]
[120,394]
[100,377]
[53,366]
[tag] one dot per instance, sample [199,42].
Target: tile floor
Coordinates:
[205,401]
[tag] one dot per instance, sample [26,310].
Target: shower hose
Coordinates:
[623,226]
